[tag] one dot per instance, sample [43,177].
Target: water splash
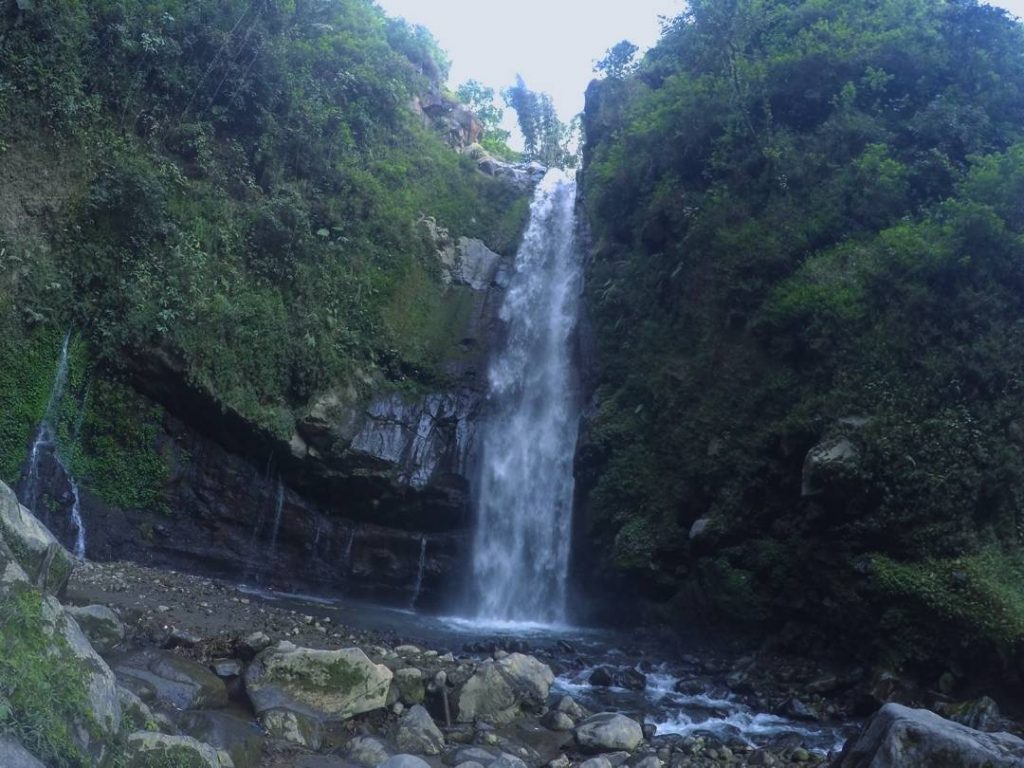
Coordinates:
[525,488]
[418,587]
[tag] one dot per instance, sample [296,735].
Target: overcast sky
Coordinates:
[553,44]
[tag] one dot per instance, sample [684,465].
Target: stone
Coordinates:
[569,706]
[253,644]
[100,624]
[411,685]
[980,714]
[609,732]
[499,690]
[469,764]
[295,727]
[368,751]
[557,721]
[182,683]
[146,749]
[134,710]
[227,668]
[651,761]
[596,762]
[332,686]
[241,739]
[418,733]
[602,677]
[562,761]
[404,761]
[474,755]
[46,563]
[901,737]
[320,761]
[699,528]
[13,755]
[505,760]
[826,462]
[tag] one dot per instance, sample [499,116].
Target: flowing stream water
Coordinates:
[525,486]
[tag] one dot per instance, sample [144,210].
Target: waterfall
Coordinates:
[46,440]
[348,548]
[528,441]
[418,587]
[278,509]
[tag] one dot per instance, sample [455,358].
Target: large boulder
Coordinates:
[241,739]
[418,733]
[147,749]
[609,732]
[47,564]
[331,686]
[13,755]
[368,751]
[175,680]
[100,624]
[827,464]
[901,737]
[499,690]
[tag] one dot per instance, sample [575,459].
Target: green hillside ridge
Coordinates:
[806,216]
[237,184]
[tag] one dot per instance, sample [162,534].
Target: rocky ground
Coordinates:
[185,672]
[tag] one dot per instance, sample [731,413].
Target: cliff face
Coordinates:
[370,495]
[281,282]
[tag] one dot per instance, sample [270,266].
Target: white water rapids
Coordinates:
[525,487]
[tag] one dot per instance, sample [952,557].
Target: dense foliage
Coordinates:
[235,184]
[806,219]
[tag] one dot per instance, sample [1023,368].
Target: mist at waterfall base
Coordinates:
[528,437]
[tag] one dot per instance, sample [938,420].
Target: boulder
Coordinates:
[596,762]
[47,564]
[505,760]
[320,761]
[827,462]
[175,680]
[241,739]
[296,727]
[557,721]
[134,710]
[368,751]
[901,737]
[411,686]
[13,755]
[609,732]
[404,761]
[499,690]
[147,749]
[418,733]
[100,624]
[331,686]
[569,706]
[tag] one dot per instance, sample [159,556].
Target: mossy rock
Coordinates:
[332,686]
[157,750]
[41,556]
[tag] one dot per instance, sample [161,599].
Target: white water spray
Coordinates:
[524,494]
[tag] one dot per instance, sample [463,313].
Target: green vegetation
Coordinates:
[248,177]
[806,219]
[42,695]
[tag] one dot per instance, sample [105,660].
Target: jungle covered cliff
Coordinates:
[807,290]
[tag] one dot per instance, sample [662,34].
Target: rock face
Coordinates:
[900,737]
[368,474]
[331,686]
[13,755]
[41,556]
[100,624]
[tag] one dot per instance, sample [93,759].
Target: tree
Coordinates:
[618,61]
[544,134]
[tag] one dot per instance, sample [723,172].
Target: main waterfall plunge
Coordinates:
[525,488]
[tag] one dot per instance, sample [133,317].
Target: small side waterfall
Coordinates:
[45,441]
[418,587]
[278,509]
[525,489]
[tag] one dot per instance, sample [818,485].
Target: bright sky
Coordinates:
[553,44]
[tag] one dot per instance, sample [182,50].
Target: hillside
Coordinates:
[806,218]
